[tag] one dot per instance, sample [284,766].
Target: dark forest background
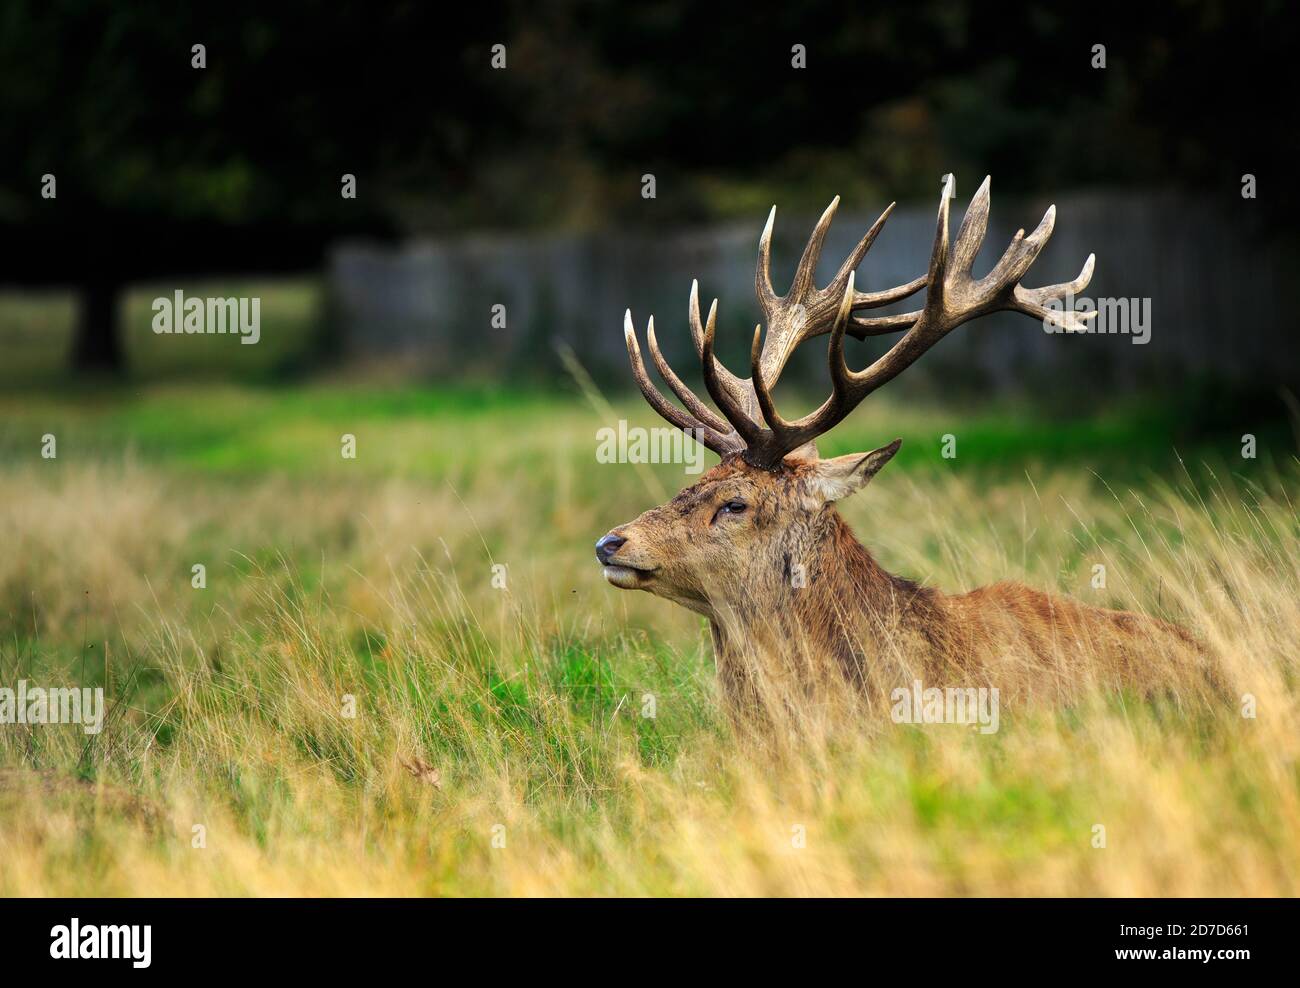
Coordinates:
[167,171]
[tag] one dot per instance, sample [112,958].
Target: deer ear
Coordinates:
[843,475]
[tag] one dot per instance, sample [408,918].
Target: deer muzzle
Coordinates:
[619,573]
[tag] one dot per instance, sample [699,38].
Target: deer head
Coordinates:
[729,542]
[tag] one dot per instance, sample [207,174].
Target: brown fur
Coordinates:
[853,621]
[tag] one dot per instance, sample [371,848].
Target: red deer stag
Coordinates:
[729,546]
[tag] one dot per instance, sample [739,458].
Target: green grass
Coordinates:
[373,578]
[297,428]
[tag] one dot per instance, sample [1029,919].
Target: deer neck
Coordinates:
[826,591]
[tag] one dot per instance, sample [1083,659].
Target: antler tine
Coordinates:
[761,392]
[862,328]
[729,404]
[812,252]
[873,300]
[879,325]
[740,393]
[970,236]
[802,283]
[763,271]
[1031,301]
[795,316]
[1037,296]
[841,382]
[882,325]
[735,387]
[859,252]
[939,252]
[714,439]
[1016,261]
[693,404]
[1021,252]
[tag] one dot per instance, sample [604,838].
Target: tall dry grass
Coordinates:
[527,703]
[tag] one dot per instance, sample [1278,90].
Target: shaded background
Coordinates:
[523,186]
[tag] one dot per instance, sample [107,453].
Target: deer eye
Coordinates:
[731,508]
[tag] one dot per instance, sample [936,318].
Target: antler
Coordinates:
[805,311]
[954,296]
[801,314]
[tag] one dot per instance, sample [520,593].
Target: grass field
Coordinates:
[373,578]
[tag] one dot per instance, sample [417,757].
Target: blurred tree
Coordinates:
[166,169]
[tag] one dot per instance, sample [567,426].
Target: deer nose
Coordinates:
[607,545]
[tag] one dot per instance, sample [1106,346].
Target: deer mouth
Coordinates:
[628,577]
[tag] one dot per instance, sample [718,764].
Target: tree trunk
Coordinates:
[98,344]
